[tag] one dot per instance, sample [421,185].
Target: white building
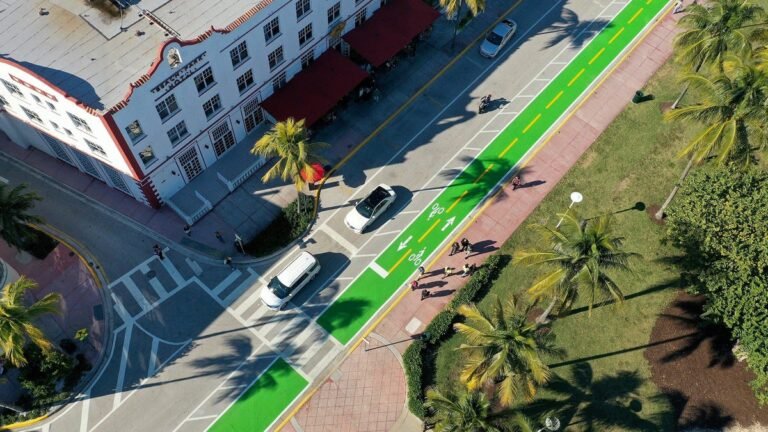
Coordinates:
[150,98]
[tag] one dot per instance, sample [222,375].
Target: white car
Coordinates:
[286,284]
[497,38]
[369,208]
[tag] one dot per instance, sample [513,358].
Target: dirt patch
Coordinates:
[588,159]
[651,210]
[624,184]
[693,364]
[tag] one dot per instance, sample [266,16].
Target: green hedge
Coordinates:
[441,327]
[289,225]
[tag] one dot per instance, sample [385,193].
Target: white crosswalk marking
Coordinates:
[229,280]
[244,285]
[136,294]
[158,287]
[247,303]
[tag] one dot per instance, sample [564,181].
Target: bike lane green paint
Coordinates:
[258,407]
[393,267]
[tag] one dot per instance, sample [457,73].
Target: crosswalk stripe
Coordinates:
[136,294]
[247,303]
[158,287]
[232,277]
[177,277]
[237,292]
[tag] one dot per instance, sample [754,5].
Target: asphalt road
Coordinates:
[190,338]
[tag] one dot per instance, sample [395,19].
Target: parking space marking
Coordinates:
[338,238]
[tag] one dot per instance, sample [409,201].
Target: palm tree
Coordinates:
[16,320]
[15,205]
[289,142]
[454,8]
[471,412]
[579,253]
[732,113]
[714,31]
[504,350]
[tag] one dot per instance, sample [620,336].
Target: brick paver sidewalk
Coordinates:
[339,405]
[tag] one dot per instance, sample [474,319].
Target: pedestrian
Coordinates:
[465,270]
[228,261]
[421,272]
[159,252]
[515,182]
[219,236]
[678,7]
[424,294]
[447,272]
[472,268]
[464,244]
[187,230]
[454,248]
[414,285]
[469,251]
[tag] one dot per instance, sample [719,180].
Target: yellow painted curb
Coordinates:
[24,423]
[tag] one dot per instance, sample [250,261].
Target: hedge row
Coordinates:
[440,327]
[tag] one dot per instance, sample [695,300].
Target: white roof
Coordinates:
[84,52]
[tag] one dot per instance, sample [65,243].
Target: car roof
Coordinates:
[502,28]
[296,268]
[377,195]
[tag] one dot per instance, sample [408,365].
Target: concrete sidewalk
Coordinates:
[358,397]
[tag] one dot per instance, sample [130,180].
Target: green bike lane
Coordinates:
[277,387]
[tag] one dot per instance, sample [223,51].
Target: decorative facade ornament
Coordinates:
[174,57]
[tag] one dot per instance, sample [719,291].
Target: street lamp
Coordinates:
[239,242]
[550,424]
[575,198]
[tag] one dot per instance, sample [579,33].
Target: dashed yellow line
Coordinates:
[621,30]
[514,141]
[402,258]
[459,198]
[423,236]
[483,174]
[599,53]
[535,119]
[573,80]
[648,2]
[554,99]
[634,17]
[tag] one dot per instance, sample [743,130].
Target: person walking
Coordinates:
[516,182]
[678,7]
[464,244]
[469,251]
[447,272]
[228,261]
[219,237]
[425,294]
[472,268]
[414,285]
[159,252]
[421,272]
[454,249]
[187,230]
[465,270]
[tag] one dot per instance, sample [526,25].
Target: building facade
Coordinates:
[191,96]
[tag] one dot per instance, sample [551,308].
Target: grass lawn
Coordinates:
[633,161]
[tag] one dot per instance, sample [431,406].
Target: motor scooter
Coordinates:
[485,103]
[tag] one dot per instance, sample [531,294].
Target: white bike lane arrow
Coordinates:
[448,223]
[404,243]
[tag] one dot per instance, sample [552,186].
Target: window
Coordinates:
[3,101]
[334,12]
[178,133]
[307,59]
[238,54]
[252,114]
[190,163]
[56,126]
[95,148]
[223,139]
[305,34]
[50,106]
[135,133]
[302,8]
[360,17]
[12,88]
[272,29]
[147,156]
[212,106]
[279,81]
[79,123]
[204,80]
[68,132]
[32,115]
[167,107]
[275,57]
[245,81]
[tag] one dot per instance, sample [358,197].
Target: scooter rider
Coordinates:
[484,101]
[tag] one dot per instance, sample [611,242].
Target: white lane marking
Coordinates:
[410,212]
[541,79]
[387,233]
[238,386]
[247,303]
[174,272]
[473,148]
[490,131]
[509,112]
[153,357]
[136,294]
[158,287]
[240,289]
[121,310]
[84,412]
[196,269]
[379,269]
[338,238]
[364,255]
[526,96]
[123,365]
[208,417]
[229,280]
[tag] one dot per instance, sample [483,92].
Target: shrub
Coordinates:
[413,363]
[38,244]
[289,225]
[68,345]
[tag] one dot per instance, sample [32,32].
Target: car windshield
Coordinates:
[494,38]
[278,289]
[368,205]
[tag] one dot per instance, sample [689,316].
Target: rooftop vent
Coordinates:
[112,8]
[162,24]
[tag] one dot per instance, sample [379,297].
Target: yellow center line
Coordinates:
[535,119]
[423,236]
[621,30]
[456,202]
[599,53]
[634,17]
[514,141]
[483,174]
[648,2]
[573,80]
[555,99]
[402,258]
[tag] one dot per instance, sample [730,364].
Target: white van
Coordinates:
[289,281]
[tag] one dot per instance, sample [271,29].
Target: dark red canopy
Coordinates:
[313,92]
[390,29]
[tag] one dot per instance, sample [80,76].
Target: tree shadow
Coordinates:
[709,415]
[589,404]
[669,284]
[569,26]
[344,313]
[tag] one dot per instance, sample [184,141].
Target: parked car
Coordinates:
[497,38]
[370,208]
[289,281]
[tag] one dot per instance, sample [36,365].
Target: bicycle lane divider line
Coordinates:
[537,120]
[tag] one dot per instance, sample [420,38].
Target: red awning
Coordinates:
[313,92]
[390,29]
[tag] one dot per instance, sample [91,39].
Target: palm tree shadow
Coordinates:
[708,415]
[569,26]
[594,404]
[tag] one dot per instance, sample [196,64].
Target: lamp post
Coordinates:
[576,197]
[551,424]
[239,242]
